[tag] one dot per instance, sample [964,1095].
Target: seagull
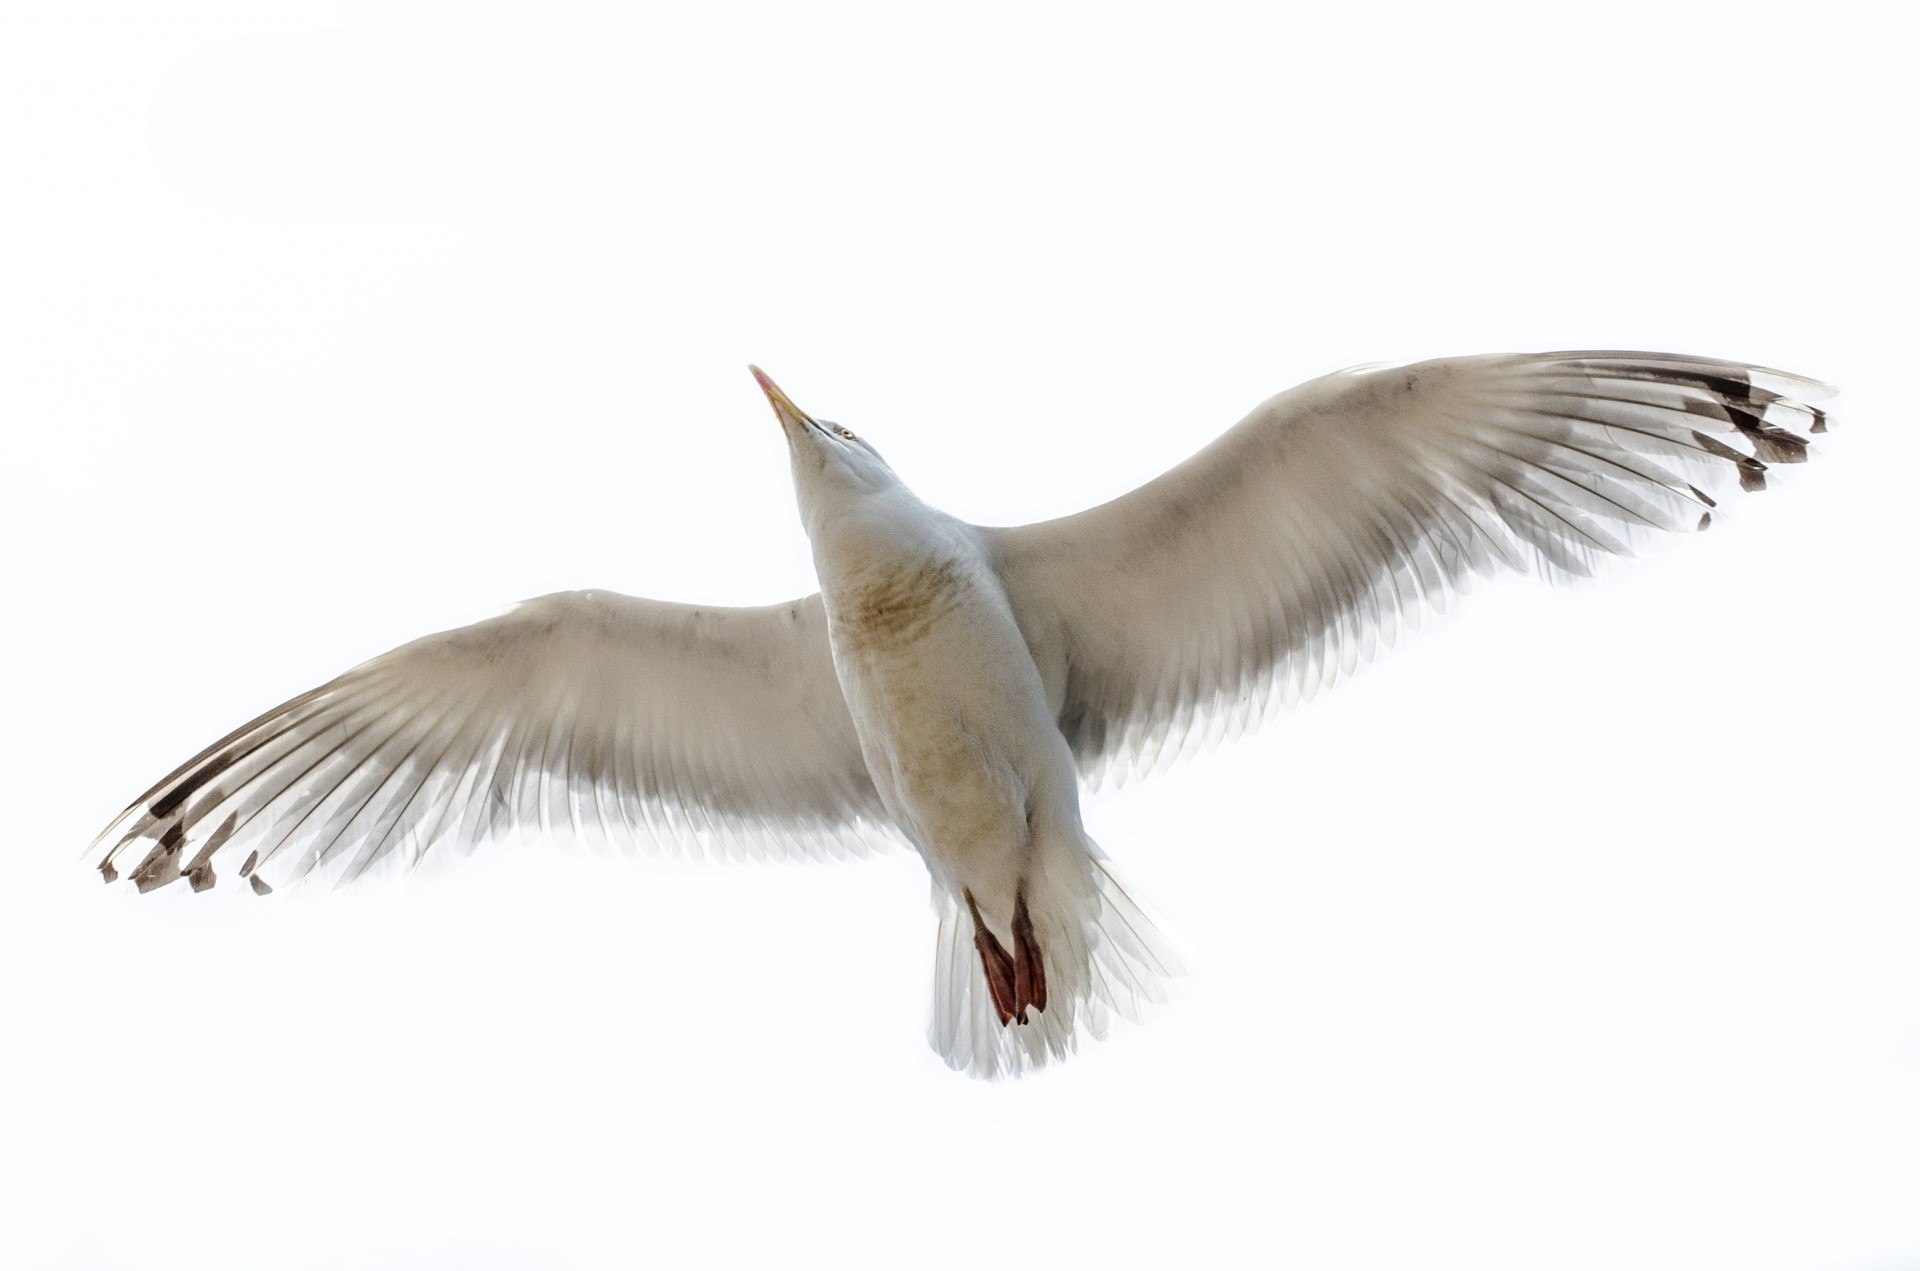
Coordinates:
[952,687]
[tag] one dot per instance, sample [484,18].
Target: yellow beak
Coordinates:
[789,415]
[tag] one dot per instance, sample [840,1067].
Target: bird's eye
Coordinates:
[846,434]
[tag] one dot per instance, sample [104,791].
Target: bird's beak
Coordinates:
[791,417]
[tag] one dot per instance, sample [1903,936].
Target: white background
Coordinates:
[1583,931]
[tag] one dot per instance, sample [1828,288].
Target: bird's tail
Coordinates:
[1101,953]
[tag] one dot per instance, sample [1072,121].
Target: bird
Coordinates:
[954,688]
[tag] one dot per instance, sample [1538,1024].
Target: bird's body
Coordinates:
[952,686]
[958,736]
[950,711]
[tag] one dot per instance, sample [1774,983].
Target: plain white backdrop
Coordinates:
[1580,932]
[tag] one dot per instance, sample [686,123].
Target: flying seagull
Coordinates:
[952,686]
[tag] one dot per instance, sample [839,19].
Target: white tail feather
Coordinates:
[1104,956]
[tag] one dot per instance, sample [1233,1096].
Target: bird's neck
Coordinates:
[858,539]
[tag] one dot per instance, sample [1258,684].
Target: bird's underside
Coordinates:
[1277,559]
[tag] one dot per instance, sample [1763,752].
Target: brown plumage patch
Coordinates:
[899,608]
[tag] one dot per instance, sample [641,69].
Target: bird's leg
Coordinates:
[998,966]
[1017,981]
[1029,969]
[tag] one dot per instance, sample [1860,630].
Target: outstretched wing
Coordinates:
[1290,549]
[715,730]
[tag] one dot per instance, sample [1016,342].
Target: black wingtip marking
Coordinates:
[1706,519]
[108,872]
[161,865]
[1718,448]
[1819,423]
[259,885]
[1753,473]
[246,869]
[1770,442]
[1703,496]
[199,871]
[166,803]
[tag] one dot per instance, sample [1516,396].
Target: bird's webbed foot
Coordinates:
[1017,980]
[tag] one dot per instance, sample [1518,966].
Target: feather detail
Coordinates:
[582,715]
[1305,539]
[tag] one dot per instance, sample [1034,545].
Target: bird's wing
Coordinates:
[1290,549]
[714,730]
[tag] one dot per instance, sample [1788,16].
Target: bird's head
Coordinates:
[830,464]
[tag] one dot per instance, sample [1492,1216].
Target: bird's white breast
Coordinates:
[949,707]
